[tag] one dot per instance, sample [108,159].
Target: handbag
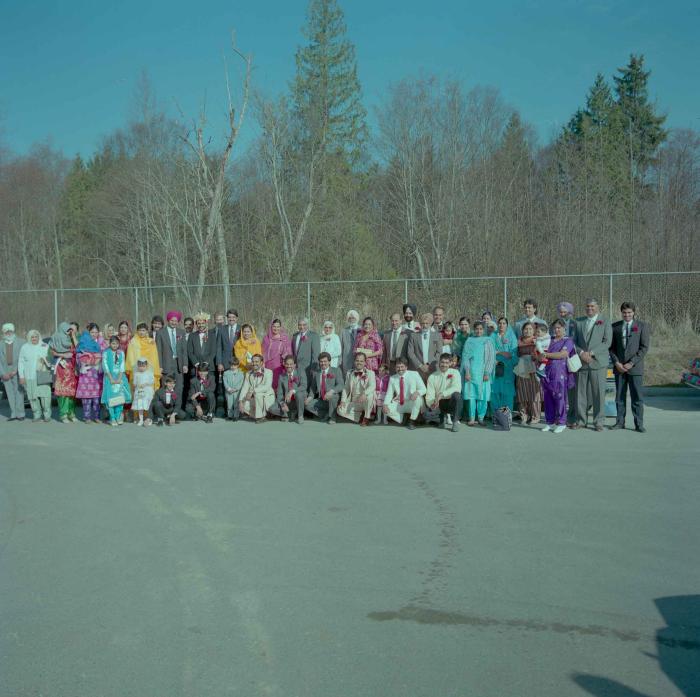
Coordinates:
[44,377]
[116,401]
[502,419]
[573,363]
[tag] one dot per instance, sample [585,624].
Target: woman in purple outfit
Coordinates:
[557,380]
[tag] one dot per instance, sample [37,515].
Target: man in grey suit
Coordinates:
[171,342]
[291,393]
[395,342]
[228,336]
[324,390]
[630,343]
[593,336]
[423,348]
[9,357]
[306,346]
[347,341]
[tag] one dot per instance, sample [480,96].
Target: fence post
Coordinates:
[55,309]
[136,307]
[308,300]
[225,298]
[610,297]
[505,296]
[405,290]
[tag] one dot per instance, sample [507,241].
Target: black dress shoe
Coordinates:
[640,429]
[617,427]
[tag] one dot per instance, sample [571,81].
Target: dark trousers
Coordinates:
[207,402]
[636,388]
[324,408]
[163,412]
[452,406]
[296,406]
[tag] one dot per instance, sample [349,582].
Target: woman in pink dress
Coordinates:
[276,345]
[90,373]
[369,343]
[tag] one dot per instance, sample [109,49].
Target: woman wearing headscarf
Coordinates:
[275,347]
[369,343]
[461,335]
[478,360]
[10,348]
[330,343]
[247,346]
[142,346]
[63,347]
[557,380]
[528,385]
[505,344]
[124,334]
[489,323]
[34,358]
[89,360]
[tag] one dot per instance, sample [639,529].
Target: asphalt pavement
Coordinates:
[334,561]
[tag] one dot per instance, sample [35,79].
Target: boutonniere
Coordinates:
[330,376]
[635,329]
[449,377]
[599,323]
[303,337]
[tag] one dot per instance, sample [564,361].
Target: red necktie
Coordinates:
[401,390]
[323,385]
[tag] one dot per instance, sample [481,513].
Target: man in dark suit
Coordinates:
[324,389]
[593,336]
[347,341]
[228,336]
[630,344]
[202,395]
[306,346]
[424,348]
[201,344]
[395,342]
[171,342]
[291,393]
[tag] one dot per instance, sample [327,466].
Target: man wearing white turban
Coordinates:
[9,357]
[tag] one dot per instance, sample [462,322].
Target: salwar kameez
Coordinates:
[503,389]
[478,362]
[114,383]
[89,384]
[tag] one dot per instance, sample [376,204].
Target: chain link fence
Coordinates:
[673,296]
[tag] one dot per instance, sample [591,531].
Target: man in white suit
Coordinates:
[404,394]
[358,397]
[257,395]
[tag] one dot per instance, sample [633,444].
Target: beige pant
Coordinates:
[259,405]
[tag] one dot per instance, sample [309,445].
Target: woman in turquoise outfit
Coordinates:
[478,362]
[505,344]
[115,384]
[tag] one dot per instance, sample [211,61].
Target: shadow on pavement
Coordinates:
[678,651]
[690,402]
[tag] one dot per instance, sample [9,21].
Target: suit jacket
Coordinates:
[597,342]
[283,385]
[198,354]
[258,386]
[414,350]
[197,385]
[347,348]
[413,382]
[160,399]
[168,364]
[637,345]
[334,382]
[16,346]
[359,387]
[306,355]
[224,346]
[401,344]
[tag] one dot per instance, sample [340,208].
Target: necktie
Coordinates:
[401,397]
[393,345]
[323,385]
[231,331]
[8,354]
[626,335]
[358,373]
[172,340]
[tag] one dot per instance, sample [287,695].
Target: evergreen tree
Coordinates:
[643,127]
[326,90]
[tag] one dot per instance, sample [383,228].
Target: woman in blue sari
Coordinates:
[506,346]
[478,360]
[115,385]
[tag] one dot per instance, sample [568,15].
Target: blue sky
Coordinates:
[68,69]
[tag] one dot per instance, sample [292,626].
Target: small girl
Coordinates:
[382,386]
[448,334]
[542,341]
[144,387]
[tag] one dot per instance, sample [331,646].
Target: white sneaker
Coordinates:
[448,418]
[546,428]
[559,429]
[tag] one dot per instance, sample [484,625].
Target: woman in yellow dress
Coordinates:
[142,346]
[246,347]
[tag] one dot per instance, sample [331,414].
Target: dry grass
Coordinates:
[672,347]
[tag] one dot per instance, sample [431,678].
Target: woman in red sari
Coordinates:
[63,344]
[369,343]
[276,345]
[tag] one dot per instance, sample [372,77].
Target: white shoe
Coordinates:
[448,419]
[546,428]
[559,429]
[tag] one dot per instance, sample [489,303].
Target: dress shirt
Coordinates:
[412,382]
[425,338]
[443,384]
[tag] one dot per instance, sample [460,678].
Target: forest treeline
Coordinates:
[449,182]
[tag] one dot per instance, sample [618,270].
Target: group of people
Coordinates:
[420,369]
